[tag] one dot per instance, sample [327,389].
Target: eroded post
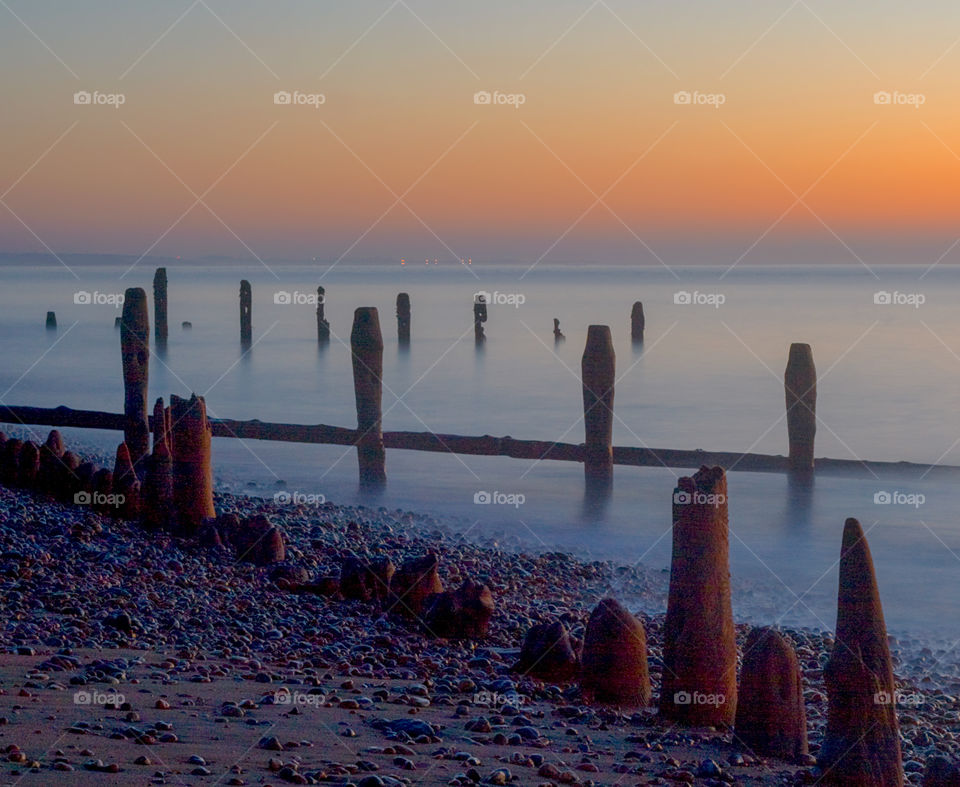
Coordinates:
[403,318]
[160,306]
[366,345]
[800,386]
[598,371]
[637,323]
[192,468]
[135,350]
[323,327]
[246,313]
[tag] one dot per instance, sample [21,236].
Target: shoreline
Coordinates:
[67,575]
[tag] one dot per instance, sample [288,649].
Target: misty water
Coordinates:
[708,376]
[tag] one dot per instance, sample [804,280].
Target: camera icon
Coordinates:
[482,297]
[82,298]
[882,498]
[882,298]
[682,298]
[482,498]
[282,298]
[682,498]
[82,97]
[482,97]
[283,697]
[82,499]
[682,698]
[682,97]
[282,97]
[282,498]
[882,698]
[82,698]
[882,97]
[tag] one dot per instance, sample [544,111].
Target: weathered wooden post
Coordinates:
[160,305]
[598,372]
[51,321]
[192,469]
[479,317]
[246,313]
[135,350]
[158,506]
[637,323]
[557,333]
[403,318]
[366,345]
[800,386]
[323,327]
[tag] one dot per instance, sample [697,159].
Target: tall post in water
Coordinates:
[246,313]
[135,352]
[323,327]
[403,318]
[160,306]
[479,317]
[800,386]
[51,321]
[598,373]
[637,323]
[192,468]
[366,345]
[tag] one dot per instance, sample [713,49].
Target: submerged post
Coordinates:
[637,323]
[598,371]
[160,305]
[800,386]
[403,318]
[366,345]
[51,321]
[479,317]
[135,351]
[192,469]
[246,308]
[323,327]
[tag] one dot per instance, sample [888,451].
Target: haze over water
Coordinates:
[707,377]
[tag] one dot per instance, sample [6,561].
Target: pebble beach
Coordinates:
[133,657]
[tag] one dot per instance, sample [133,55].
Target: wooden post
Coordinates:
[160,305]
[246,316]
[637,323]
[557,333]
[51,321]
[598,373]
[323,327]
[403,318]
[192,470]
[366,344]
[135,350]
[800,386]
[158,508]
[479,317]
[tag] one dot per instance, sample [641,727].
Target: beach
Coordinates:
[228,678]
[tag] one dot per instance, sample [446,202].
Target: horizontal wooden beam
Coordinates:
[484,445]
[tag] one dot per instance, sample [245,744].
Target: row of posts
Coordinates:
[598,375]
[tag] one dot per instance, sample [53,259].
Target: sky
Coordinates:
[617,131]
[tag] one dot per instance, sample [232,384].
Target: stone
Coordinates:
[613,663]
[548,653]
[941,772]
[366,580]
[861,744]
[412,583]
[463,613]
[699,686]
[771,718]
[258,541]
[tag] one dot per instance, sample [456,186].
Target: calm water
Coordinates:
[707,377]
